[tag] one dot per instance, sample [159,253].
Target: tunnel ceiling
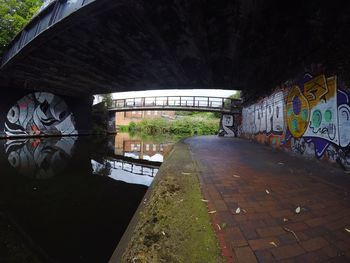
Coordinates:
[113,46]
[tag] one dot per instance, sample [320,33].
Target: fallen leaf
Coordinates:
[297,210]
[280,163]
[273,243]
[218,226]
[267,191]
[223,225]
[245,211]
[238,210]
[285,219]
[237,176]
[185,173]
[204,200]
[347,230]
[163,233]
[212,212]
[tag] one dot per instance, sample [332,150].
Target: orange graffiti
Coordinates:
[297,112]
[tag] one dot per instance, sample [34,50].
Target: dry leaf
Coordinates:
[237,176]
[285,219]
[238,210]
[273,243]
[347,230]
[218,226]
[186,173]
[204,200]
[267,191]
[280,163]
[163,233]
[212,212]
[297,210]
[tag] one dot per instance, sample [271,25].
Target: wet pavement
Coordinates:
[271,206]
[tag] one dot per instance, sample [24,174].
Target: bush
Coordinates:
[189,125]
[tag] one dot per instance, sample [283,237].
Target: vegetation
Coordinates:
[187,125]
[107,99]
[173,224]
[14,15]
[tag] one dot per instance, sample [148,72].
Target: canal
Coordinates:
[70,199]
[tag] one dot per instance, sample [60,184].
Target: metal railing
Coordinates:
[176,102]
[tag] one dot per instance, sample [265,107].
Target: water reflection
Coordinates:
[39,158]
[136,160]
[93,189]
[142,148]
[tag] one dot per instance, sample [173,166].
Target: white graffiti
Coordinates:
[264,117]
[40,113]
[227,124]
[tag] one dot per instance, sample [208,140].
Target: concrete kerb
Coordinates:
[124,241]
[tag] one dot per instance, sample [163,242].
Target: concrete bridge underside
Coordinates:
[109,45]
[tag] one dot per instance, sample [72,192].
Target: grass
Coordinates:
[174,225]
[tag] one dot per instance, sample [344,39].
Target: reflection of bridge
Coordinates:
[132,167]
[191,103]
[129,171]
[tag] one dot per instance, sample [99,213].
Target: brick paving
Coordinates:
[268,186]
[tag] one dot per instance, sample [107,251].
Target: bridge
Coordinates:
[185,103]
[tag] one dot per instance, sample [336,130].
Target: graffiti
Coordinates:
[39,158]
[266,117]
[40,113]
[227,126]
[302,147]
[311,117]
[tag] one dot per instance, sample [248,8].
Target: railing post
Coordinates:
[208,102]
[194,101]
[180,101]
[167,101]
[223,103]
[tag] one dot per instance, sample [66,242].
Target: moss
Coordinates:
[174,225]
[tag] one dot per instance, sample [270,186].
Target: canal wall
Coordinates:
[25,113]
[308,116]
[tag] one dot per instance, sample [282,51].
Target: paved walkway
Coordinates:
[268,186]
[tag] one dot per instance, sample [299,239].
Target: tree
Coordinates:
[107,99]
[14,15]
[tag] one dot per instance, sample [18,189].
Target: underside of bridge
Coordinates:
[252,45]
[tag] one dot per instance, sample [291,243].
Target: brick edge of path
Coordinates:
[268,186]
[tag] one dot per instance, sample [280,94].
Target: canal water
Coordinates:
[70,199]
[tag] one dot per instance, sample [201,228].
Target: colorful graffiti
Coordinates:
[40,113]
[310,118]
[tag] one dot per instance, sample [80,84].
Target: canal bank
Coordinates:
[264,206]
[172,223]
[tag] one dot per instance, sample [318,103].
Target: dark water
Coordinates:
[70,199]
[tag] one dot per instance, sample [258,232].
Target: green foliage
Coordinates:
[107,99]
[188,125]
[237,95]
[14,15]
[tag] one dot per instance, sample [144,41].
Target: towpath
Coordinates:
[271,206]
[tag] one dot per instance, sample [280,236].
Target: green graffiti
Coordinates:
[294,125]
[290,112]
[328,115]
[316,118]
[304,114]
